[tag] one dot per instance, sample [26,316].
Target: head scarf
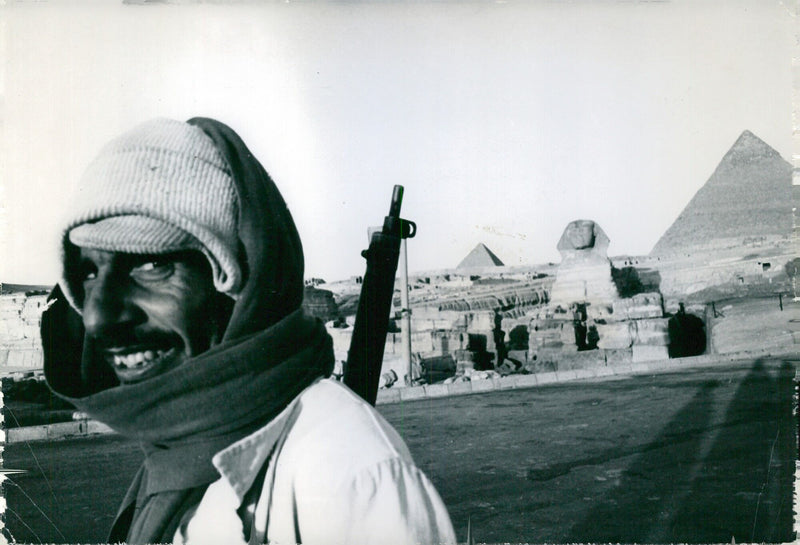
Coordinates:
[269,353]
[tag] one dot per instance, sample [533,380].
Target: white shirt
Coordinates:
[337,473]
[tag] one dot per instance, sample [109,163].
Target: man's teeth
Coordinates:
[137,359]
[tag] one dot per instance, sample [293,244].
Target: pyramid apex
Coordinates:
[747,197]
[480,256]
[748,147]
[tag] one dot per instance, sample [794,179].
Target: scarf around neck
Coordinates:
[269,353]
[183,417]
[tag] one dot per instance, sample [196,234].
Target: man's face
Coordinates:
[149,313]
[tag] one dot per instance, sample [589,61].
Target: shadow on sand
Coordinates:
[734,477]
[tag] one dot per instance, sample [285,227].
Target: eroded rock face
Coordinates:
[584,274]
[583,235]
[320,304]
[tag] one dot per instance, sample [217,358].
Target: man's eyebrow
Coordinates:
[139,259]
[134,260]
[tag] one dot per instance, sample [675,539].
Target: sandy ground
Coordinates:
[700,456]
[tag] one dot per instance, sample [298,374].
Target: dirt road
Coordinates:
[700,456]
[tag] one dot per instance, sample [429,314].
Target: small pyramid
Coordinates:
[480,256]
[747,198]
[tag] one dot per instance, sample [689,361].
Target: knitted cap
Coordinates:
[161,187]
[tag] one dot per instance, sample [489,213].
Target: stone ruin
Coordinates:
[20,341]
[585,270]
[587,322]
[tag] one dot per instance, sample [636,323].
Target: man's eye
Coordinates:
[87,272]
[152,270]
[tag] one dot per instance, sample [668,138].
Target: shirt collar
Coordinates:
[240,462]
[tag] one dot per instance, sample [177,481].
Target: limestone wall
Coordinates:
[633,329]
[20,340]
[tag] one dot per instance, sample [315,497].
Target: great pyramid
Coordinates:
[480,256]
[747,201]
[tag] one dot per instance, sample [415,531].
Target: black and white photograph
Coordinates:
[399,272]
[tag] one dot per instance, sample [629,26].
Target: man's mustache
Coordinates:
[137,337]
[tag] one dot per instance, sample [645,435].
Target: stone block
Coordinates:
[422,341]
[600,312]
[66,429]
[583,278]
[640,306]
[341,339]
[460,388]
[33,307]
[659,364]
[485,385]
[567,335]
[422,324]
[584,373]
[561,313]
[411,393]
[642,352]
[26,434]
[543,361]
[652,331]
[388,395]
[436,390]
[3,358]
[618,357]
[12,330]
[481,321]
[547,378]
[539,343]
[463,356]
[581,360]
[94,427]
[23,344]
[25,357]
[563,376]
[544,324]
[16,358]
[525,381]
[506,383]
[518,355]
[603,371]
[615,335]
[464,367]
[11,304]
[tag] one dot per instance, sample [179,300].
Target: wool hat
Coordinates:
[161,187]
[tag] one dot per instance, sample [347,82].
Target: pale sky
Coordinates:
[503,120]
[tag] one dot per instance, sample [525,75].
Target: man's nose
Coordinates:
[107,308]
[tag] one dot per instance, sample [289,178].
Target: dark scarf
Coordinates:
[270,352]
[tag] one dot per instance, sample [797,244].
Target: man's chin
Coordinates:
[131,373]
